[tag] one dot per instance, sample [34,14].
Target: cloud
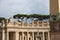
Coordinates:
[11,7]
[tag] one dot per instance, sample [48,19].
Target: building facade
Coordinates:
[37,30]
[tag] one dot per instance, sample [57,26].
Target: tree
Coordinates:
[40,17]
[20,16]
[2,18]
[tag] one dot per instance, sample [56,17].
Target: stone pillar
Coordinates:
[20,38]
[17,35]
[7,35]
[22,35]
[43,36]
[48,35]
[3,35]
[33,35]
[28,35]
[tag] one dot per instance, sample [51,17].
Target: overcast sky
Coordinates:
[11,7]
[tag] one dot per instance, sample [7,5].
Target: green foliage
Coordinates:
[18,16]
[2,18]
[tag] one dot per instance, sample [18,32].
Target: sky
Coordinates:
[9,8]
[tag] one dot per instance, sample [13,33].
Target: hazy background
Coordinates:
[11,7]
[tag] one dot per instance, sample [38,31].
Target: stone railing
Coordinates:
[27,25]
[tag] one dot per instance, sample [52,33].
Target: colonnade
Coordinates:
[25,35]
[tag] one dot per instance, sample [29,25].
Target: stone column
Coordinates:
[17,35]
[43,36]
[7,35]
[48,35]
[33,35]
[3,35]
[28,35]
[22,35]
